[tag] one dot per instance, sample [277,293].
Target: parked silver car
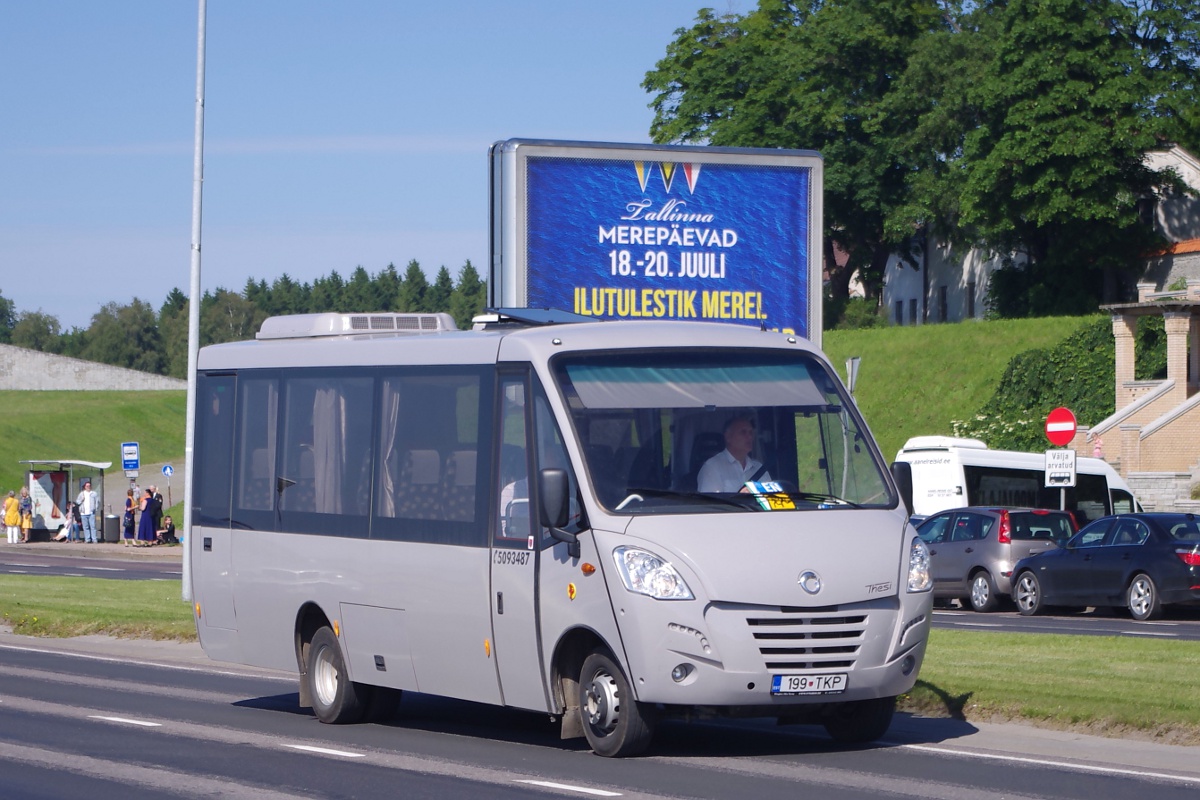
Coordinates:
[973,550]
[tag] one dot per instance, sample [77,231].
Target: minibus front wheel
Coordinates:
[860,721]
[614,723]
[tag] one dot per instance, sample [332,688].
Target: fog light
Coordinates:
[907,665]
[680,672]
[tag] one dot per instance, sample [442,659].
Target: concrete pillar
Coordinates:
[1178,325]
[1131,449]
[1124,328]
[1194,355]
[1144,291]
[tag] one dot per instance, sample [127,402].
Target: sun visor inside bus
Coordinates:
[725,386]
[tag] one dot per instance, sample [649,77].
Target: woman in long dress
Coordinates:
[145,532]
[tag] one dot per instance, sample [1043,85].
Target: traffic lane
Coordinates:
[1183,624]
[34,563]
[219,715]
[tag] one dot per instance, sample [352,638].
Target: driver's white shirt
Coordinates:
[723,473]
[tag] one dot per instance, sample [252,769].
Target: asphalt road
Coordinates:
[99,718]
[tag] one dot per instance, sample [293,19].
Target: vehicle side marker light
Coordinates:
[487,647]
[586,568]
[336,628]
[197,610]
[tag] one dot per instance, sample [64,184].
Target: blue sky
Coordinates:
[337,134]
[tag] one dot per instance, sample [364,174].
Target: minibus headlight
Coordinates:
[919,579]
[645,573]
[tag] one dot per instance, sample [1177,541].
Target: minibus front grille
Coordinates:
[800,639]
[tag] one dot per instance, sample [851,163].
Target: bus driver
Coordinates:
[729,469]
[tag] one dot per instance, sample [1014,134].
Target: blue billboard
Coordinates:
[646,232]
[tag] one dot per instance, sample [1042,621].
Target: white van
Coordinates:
[511,515]
[949,472]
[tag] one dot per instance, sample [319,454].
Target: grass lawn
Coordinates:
[88,426]
[1106,685]
[38,605]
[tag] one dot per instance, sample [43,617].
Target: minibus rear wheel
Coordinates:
[614,723]
[860,721]
[335,698]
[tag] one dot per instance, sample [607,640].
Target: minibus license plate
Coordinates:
[809,684]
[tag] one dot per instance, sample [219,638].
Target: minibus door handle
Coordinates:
[499,602]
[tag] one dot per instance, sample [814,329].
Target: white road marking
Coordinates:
[325,751]
[569,788]
[1070,765]
[1151,633]
[105,569]
[31,566]
[143,723]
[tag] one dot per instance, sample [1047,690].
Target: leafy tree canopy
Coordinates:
[1016,125]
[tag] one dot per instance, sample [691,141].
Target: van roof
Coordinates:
[335,340]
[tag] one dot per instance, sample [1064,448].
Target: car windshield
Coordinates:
[672,432]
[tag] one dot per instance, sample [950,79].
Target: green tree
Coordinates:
[360,293]
[173,325]
[37,330]
[327,293]
[8,319]
[1056,169]
[126,336]
[226,316]
[412,291]
[806,75]
[439,294]
[469,295]
[387,287]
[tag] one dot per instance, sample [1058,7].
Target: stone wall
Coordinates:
[21,368]
[1162,491]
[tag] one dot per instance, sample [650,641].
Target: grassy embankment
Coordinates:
[88,426]
[913,381]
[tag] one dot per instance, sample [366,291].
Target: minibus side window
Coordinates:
[214,465]
[514,520]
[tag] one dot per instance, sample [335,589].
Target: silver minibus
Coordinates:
[524,514]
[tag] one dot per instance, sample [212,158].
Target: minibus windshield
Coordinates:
[718,431]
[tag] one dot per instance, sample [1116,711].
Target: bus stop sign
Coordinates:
[1060,426]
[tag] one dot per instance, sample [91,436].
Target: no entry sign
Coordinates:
[1060,426]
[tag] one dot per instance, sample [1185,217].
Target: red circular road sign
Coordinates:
[1060,426]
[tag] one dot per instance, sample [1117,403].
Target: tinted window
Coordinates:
[1093,535]
[432,456]
[214,449]
[254,452]
[933,530]
[1030,526]
[325,458]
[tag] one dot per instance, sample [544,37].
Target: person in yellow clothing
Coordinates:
[12,518]
[25,506]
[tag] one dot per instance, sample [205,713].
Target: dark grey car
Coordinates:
[973,550]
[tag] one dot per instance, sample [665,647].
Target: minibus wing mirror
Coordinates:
[902,474]
[555,507]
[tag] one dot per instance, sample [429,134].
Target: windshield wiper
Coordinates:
[824,499]
[640,494]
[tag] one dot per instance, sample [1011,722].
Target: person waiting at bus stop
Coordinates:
[89,504]
[729,469]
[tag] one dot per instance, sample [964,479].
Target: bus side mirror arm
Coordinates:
[902,474]
[554,507]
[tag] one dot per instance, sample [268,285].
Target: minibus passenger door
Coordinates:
[515,550]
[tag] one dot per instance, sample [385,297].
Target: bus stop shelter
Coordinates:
[53,483]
